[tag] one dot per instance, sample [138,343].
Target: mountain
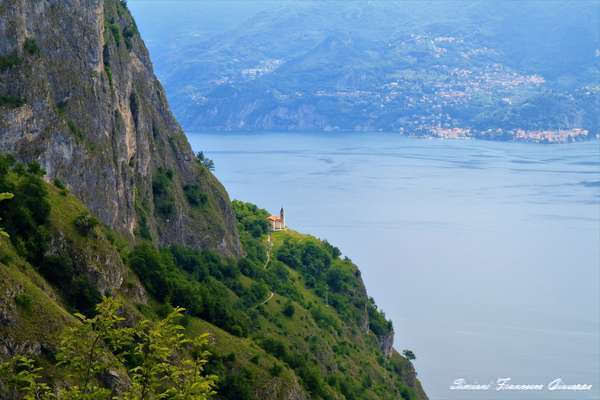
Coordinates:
[108,201]
[80,97]
[482,69]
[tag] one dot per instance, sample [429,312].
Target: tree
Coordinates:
[20,376]
[207,162]
[85,224]
[5,196]
[289,310]
[409,355]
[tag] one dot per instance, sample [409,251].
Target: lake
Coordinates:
[485,255]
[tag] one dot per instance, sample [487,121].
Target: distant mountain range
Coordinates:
[448,69]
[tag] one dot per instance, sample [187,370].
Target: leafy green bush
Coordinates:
[194,195]
[237,385]
[85,224]
[289,310]
[409,355]
[30,46]
[80,293]
[59,184]
[257,293]
[205,161]
[274,347]
[378,324]
[116,32]
[276,370]
[11,101]
[312,380]
[164,201]
[74,129]
[9,61]
[333,251]
[24,301]
[128,34]
[27,214]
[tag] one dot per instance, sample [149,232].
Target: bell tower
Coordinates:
[282,216]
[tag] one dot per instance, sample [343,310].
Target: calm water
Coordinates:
[485,255]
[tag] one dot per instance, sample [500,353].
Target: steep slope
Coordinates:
[79,96]
[290,321]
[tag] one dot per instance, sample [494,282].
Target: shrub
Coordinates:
[10,60]
[255,359]
[25,216]
[194,195]
[11,101]
[274,347]
[59,184]
[204,161]
[312,380]
[237,386]
[30,46]
[334,251]
[289,310]
[275,370]
[116,33]
[128,34]
[85,224]
[82,295]
[161,189]
[378,324]
[409,355]
[74,129]
[24,301]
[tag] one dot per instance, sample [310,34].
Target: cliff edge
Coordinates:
[78,95]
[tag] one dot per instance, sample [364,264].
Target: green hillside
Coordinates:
[290,320]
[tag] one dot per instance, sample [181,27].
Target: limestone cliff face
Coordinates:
[78,95]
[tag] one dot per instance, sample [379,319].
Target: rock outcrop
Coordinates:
[78,95]
[386,343]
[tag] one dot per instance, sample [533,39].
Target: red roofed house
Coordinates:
[277,222]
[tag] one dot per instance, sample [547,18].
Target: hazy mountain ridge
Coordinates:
[430,68]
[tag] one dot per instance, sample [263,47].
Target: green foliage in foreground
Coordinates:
[160,362]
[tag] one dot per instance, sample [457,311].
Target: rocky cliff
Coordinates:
[78,95]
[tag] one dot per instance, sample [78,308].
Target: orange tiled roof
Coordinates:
[274,218]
